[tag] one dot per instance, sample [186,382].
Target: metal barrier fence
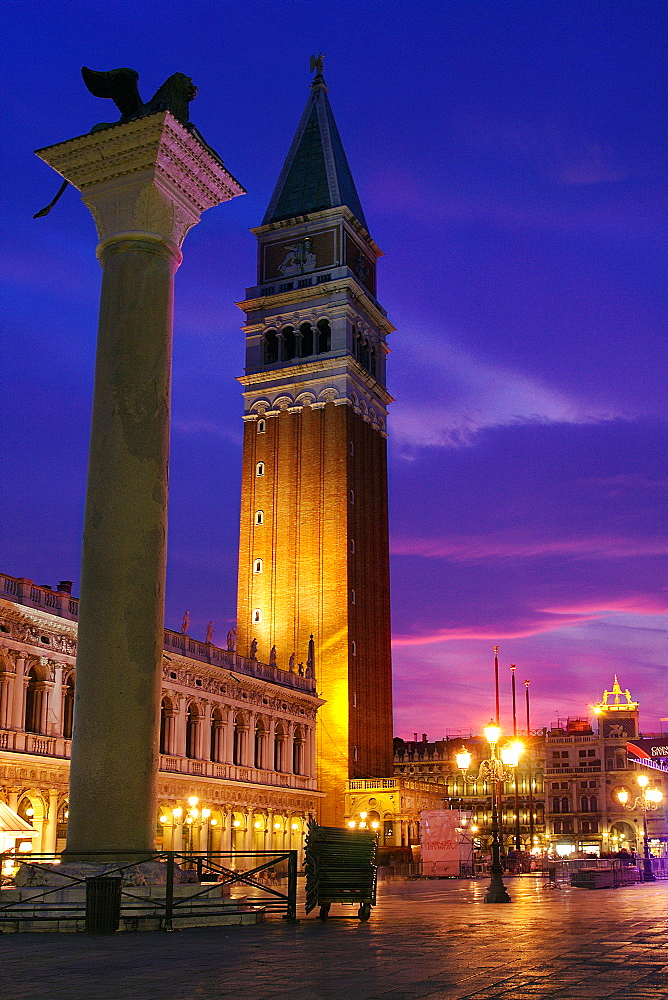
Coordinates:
[270,877]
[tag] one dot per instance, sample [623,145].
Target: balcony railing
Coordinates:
[60,603]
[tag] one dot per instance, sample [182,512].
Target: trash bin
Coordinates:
[103,904]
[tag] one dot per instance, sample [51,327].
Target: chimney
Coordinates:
[414,737]
[424,737]
[65,586]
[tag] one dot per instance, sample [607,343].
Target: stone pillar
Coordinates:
[205,734]
[55,726]
[146,183]
[50,824]
[229,738]
[19,699]
[7,680]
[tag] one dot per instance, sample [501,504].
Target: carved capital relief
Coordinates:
[139,209]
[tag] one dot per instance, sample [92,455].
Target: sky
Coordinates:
[510,159]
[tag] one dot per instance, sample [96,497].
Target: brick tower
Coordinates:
[314,552]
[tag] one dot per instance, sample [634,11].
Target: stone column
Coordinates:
[205,734]
[55,726]
[6,702]
[50,824]
[146,183]
[19,699]
[229,738]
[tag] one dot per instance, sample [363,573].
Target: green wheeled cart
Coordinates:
[341,867]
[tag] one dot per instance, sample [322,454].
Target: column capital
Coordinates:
[149,178]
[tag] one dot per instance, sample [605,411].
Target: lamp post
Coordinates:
[189,819]
[531,834]
[649,798]
[518,838]
[493,769]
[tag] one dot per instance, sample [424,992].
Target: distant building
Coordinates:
[237,736]
[434,762]
[585,772]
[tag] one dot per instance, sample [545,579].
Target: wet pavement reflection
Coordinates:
[426,940]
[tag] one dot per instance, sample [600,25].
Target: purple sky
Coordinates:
[509,158]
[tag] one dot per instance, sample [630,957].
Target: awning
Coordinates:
[12,825]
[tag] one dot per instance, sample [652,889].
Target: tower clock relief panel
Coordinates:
[287,257]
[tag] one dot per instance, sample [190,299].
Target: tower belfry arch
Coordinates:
[314,490]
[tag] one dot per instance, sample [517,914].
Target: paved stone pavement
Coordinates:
[426,940]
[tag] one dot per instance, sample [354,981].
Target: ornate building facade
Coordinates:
[314,545]
[237,753]
[435,762]
[586,770]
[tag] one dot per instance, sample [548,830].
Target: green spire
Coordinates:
[315,174]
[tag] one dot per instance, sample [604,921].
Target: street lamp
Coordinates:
[649,798]
[493,769]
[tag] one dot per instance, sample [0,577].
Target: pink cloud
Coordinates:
[507,547]
[494,632]
[638,604]
[560,617]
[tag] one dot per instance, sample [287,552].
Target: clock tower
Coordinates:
[314,547]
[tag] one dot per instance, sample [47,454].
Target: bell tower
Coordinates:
[314,548]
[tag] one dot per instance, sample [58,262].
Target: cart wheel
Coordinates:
[324,911]
[364,911]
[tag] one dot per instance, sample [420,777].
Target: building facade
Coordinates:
[586,770]
[435,763]
[237,736]
[314,547]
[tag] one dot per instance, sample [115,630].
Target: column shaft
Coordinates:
[113,790]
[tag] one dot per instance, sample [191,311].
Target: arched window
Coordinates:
[257,616]
[238,745]
[68,708]
[306,331]
[260,737]
[289,343]
[584,804]
[372,362]
[565,807]
[353,596]
[352,496]
[298,751]
[217,735]
[192,731]
[364,354]
[357,343]
[163,726]
[279,748]
[353,647]
[352,546]
[352,448]
[33,704]
[257,566]
[261,426]
[324,336]
[270,347]
[259,517]
[593,803]
[259,469]
[556,805]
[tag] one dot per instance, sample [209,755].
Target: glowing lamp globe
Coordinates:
[492,733]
